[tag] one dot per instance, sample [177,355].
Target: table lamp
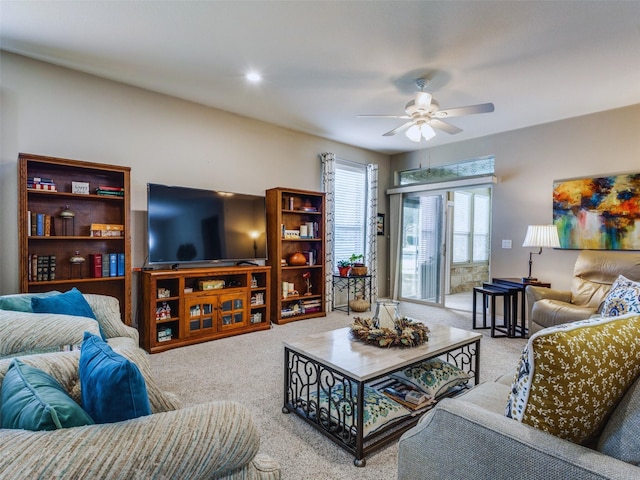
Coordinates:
[540,236]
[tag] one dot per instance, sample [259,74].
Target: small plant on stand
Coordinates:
[343,267]
[358,267]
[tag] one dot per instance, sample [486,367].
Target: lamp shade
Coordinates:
[542,236]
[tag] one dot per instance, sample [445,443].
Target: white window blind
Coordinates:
[461,226]
[471,223]
[481,219]
[350,210]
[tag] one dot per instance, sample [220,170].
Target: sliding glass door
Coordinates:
[422,247]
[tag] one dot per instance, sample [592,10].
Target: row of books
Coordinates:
[39,183]
[301,307]
[113,191]
[42,268]
[40,224]
[106,230]
[106,265]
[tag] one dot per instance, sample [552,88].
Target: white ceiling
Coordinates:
[325,62]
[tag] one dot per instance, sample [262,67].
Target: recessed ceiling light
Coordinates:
[253,77]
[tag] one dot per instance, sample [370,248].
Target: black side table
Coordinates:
[519,285]
[360,285]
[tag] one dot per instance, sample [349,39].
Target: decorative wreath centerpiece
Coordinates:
[405,333]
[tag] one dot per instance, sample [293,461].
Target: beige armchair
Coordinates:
[593,274]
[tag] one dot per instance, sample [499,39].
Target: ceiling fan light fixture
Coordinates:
[427,131]
[420,130]
[413,133]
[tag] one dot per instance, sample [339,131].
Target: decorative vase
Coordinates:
[359,304]
[297,259]
[386,314]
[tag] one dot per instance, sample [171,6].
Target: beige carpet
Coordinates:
[249,368]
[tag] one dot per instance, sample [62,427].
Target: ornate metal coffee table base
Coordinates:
[330,398]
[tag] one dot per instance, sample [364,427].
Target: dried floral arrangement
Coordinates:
[406,333]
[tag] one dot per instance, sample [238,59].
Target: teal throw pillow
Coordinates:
[34,400]
[112,387]
[379,410]
[434,377]
[71,302]
[21,302]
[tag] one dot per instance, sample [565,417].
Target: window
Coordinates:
[350,210]
[471,220]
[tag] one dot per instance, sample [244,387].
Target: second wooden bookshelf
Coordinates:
[295,227]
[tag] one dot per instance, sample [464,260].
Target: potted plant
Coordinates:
[343,267]
[358,267]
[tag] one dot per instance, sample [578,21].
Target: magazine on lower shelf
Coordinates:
[409,397]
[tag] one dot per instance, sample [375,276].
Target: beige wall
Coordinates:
[527,161]
[54,111]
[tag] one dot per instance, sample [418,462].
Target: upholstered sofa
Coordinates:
[213,440]
[471,436]
[594,273]
[24,332]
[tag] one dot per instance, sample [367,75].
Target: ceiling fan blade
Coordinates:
[384,116]
[399,129]
[470,110]
[444,126]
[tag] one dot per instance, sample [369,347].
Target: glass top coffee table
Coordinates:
[328,375]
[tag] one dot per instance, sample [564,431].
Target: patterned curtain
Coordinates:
[395,242]
[328,185]
[372,234]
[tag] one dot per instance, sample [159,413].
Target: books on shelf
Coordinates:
[108,190]
[40,224]
[106,230]
[41,268]
[95,265]
[39,183]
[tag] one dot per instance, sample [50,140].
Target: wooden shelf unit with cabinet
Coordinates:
[178,310]
[288,212]
[65,237]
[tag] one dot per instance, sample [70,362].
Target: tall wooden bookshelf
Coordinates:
[295,224]
[56,240]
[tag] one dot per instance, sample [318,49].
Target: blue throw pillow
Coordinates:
[67,303]
[34,400]
[112,387]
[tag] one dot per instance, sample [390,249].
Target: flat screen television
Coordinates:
[190,225]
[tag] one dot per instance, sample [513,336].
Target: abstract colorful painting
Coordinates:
[601,213]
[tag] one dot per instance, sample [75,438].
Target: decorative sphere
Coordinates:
[297,259]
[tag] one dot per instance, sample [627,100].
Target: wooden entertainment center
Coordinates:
[183,307]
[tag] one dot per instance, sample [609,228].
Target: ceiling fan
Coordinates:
[424,115]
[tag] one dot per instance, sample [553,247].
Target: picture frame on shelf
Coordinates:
[81,188]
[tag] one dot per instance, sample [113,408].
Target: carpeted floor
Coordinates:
[249,368]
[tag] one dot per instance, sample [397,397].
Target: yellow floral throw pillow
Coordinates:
[570,377]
